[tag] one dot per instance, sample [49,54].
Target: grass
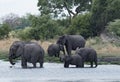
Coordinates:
[104,49]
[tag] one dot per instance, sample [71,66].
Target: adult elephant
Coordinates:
[72,60]
[29,52]
[88,55]
[71,42]
[54,50]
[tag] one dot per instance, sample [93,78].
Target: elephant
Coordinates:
[88,55]
[73,60]
[28,51]
[54,50]
[71,42]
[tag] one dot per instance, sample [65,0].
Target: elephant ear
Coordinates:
[20,49]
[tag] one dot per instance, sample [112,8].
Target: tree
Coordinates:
[81,25]
[11,19]
[114,27]
[16,22]
[44,27]
[24,34]
[23,22]
[57,7]
[103,11]
[4,31]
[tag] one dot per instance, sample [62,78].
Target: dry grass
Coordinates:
[104,48]
[5,44]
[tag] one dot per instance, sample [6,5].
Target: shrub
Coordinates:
[114,27]
[4,31]
[80,25]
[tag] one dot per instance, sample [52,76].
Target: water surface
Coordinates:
[54,72]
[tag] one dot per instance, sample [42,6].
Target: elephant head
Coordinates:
[67,60]
[16,50]
[61,47]
[62,40]
[78,51]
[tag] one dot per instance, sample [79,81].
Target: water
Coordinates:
[54,72]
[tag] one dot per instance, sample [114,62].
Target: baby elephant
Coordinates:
[72,60]
[88,55]
[54,50]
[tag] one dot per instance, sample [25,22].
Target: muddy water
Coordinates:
[53,72]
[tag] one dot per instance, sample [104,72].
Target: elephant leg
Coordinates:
[34,65]
[58,54]
[68,49]
[77,66]
[41,64]
[82,63]
[24,63]
[91,63]
[66,65]
[96,64]
[55,55]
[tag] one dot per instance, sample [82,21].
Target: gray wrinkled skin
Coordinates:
[28,51]
[73,60]
[71,42]
[54,50]
[88,55]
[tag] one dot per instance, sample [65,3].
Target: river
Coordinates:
[55,72]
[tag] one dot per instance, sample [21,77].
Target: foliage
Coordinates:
[4,55]
[11,19]
[44,27]
[114,27]
[57,7]
[103,11]
[23,22]
[24,34]
[80,25]
[4,31]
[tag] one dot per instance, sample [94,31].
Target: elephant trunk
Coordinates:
[11,61]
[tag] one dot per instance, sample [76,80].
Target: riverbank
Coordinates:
[108,53]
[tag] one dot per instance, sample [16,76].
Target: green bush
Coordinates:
[114,27]
[24,34]
[80,25]
[44,27]
[4,31]
[4,55]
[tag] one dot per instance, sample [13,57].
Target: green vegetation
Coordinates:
[114,27]
[4,55]
[89,18]
[4,31]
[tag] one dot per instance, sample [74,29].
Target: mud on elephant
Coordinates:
[88,55]
[71,42]
[28,51]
